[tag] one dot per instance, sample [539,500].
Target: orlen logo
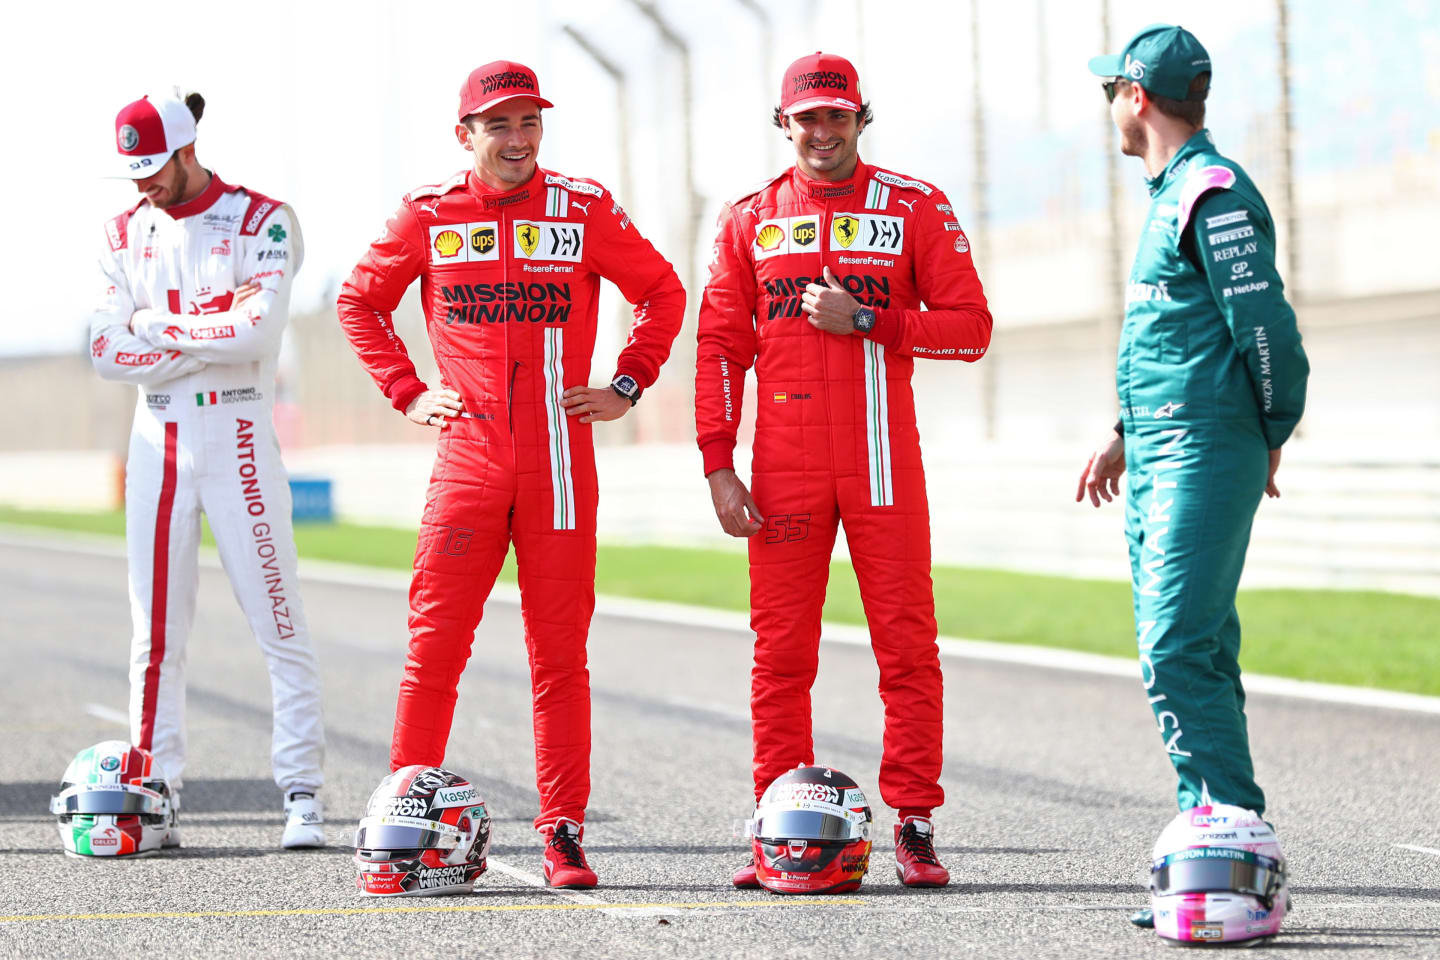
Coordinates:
[106,839]
[448,243]
[405,807]
[823,792]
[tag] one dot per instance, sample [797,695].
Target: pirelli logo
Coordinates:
[464,242]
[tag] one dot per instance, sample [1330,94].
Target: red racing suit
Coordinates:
[835,440]
[509,283]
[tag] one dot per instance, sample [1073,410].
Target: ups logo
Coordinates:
[804,232]
[482,239]
[529,237]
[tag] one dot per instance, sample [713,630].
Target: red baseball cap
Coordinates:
[497,82]
[820,80]
[147,132]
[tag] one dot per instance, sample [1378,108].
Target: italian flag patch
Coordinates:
[206,399]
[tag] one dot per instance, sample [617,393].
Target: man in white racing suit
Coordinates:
[195,285]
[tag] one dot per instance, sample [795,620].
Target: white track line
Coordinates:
[1410,846]
[603,906]
[735,622]
[106,713]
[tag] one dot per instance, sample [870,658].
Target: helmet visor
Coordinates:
[391,833]
[813,821]
[1215,870]
[112,799]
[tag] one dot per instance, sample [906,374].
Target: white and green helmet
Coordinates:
[114,801]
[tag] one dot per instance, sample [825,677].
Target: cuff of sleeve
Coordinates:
[404,390]
[886,331]
[718,455]
[636,375]
[142,320]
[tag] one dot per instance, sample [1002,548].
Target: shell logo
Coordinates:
[448,243]
[769,238]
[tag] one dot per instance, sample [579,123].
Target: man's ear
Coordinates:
[462,133]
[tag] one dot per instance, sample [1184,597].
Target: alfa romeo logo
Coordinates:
[110,763]
[129,137]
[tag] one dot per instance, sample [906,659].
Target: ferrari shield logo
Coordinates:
[528,236]
[846,229]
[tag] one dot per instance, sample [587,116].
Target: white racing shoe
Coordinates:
[304,821]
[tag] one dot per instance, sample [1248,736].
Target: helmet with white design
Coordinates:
[811,833]
[114,801]
[425,831]
[1218,876]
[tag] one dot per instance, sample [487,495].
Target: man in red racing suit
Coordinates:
[509,258]
[817,279]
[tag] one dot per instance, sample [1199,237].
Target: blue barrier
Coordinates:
[312,500]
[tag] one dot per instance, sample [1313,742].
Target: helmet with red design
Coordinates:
[811,833]
[425,831]
[1218,876]
[114,801]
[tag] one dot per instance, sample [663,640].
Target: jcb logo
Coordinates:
[528,236]
[804,232]
[482,239]
[846,229]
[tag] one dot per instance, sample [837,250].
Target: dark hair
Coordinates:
[1192,109]
[867,116]
[196,103]
[469,120]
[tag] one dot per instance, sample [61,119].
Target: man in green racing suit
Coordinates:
[1211,379]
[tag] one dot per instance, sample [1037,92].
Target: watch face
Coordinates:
[864,319]
[625,385]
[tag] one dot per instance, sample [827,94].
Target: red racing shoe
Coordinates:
[565,864]
[915,862]
[744,878]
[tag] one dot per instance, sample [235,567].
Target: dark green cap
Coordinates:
[1161,58]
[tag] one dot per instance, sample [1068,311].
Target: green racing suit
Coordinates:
[1211,376]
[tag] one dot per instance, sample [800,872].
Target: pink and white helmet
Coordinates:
[1218,876]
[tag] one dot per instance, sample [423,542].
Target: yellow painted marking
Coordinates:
[437,908]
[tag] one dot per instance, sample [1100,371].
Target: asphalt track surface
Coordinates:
[1056,782]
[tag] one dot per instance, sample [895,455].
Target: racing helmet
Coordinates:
[811,833]
[114,801]
[1218,876]
[425,832]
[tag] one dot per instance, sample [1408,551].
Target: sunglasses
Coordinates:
[1109,87]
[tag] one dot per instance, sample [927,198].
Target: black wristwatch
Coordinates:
[864,320]
[626,386]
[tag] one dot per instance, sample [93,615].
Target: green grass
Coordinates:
[1365,638]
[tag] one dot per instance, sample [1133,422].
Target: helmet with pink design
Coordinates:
[1218,876]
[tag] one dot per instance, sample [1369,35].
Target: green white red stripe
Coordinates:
[877,197]
[561,482]
[206,399]
[557,201]
[877,426]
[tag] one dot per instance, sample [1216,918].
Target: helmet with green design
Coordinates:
[114,801]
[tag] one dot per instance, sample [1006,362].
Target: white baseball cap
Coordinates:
[148,132]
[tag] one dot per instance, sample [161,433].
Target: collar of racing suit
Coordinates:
[212,192]
[1188,149]
[493,198]
[829,189]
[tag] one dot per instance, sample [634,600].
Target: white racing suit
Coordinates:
[203,440]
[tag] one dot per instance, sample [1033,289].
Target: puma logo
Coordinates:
[582,206]
[909,204]
[430,207]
